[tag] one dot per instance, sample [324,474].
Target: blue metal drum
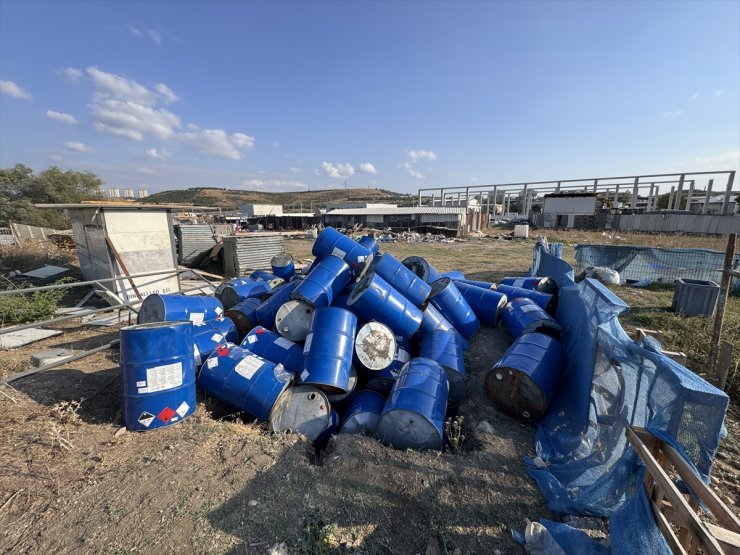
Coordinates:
[481,284]
[267,311]
[443,347]
[341,299]
[274,348]
[339,398]
[333,428]
[330,241]
[327,353]
[487,304]
[271,279]
[244,316]
[375,346]
[283,266]
[454,274]
[368,241]
[302,409]
[176,308]
[363,412]
[244,380]
[382,380]
[293,320]
[236,290]
[525,316]
[209,335]
[541,284]
[330,276]
[401,278]
[446,297]
[524,382]
[544,300]
[158,374]
[373,298]
[422,268]
[432,319]
[414,414]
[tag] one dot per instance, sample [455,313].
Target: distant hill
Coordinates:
[231,199]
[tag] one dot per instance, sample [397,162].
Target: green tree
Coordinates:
[20,189]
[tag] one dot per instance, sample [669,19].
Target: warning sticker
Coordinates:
[284,343]
[529,308]
[338,252]
[248,366]
[307,344]
[166,415]
[304,375]
[518,282]
[217,337]
[182,410]
[219,310]
[160,378]
[146,419]
[196,317]
[251,339]
[196,354]
[211,362]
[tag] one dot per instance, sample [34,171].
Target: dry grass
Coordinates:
[30,256]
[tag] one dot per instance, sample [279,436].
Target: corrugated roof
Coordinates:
[400,210]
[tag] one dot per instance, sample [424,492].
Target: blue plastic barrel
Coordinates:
[330,241]
[375,346]
[401,278]
[368,241]
[177,308]
[382,380]
[544,300]
[422,268]
[244,316]
[487,304]
[373,298]
[330,276]
[541,284]
[327,352]
[453,274]
[238,289]
[209,335]
[414,414]
[432,319]
[332,428]
[443,347]
[283,266]
[481,284]
[525,316]
[341,299]
[267,311]
[363,412]
[446,297]
[337,399]
[244,380]
[302,409]
[158,374]
[274,348]
[524,382]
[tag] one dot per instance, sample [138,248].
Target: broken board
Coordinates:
[15,339]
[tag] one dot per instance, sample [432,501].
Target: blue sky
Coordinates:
[399,95]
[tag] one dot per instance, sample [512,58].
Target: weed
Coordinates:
[453,433]
[319,536]
[20,308]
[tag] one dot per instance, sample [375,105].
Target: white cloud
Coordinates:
[59,116]
[337,170]
[135,31]
[167,93]
[412,172]
[71,73]
[727,160]
[133,121]
[147,171]
[11,88]
[161,154]
[57,157]
[275,144]
[416,155]
[216,142]
[719,92]
[367,167]
[673,114]
[110,85]
[155,36]
[474,179]
[695,96]
[293,169]
[73,146]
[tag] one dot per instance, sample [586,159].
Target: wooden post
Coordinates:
[724,289]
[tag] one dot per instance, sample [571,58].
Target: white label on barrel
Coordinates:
[196,354]
[182,409]
[163,377]
[529,308]
[251,339]
[403,356]
[307,344]
[211,362]
[141,384]
[518,282]
[284,343]
[217,337]
[338,252]
[360,259]
[196,317]
[219,310]
[248,366]
[304,374]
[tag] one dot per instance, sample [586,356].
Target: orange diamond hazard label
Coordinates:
[166,415]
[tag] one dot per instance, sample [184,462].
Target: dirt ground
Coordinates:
[71,480]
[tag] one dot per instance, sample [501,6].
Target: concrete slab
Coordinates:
[16,339]
[47,357]
[45,272]
[110,320]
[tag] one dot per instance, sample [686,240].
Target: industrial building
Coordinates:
[570,210]
[451,221]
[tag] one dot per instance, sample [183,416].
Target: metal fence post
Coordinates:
[721,302]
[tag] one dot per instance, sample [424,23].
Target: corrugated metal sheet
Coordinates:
[6,236]
[393,211]
[678,222]
[243,253]
[193,240]
[431,218]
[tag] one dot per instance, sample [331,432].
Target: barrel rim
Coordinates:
[439,285]
[148,325]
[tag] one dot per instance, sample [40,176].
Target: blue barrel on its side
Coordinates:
[267,310]
[244,316]
[283,266]
[481,284]
[443,347]
[382,380]
[341,299]
[446,297]
[330,276]
[454,275]
[536,283]
[401,278]
[302,409]
[422,268]
[271,279]
[368,241]
[236,290]
[337,399]
[244,380]
[487,304]
[330,241]
[209,335]
[178,308]
[375,346]
[526,316]
[373,298]
[544,300]
[524,382]
[414,414]
[363,412]
[333,428]
[432,319]
[158,374]
[274,348]
[327,353]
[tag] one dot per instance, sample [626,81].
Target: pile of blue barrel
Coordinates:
[359,343]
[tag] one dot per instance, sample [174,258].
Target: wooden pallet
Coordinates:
[678,514]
